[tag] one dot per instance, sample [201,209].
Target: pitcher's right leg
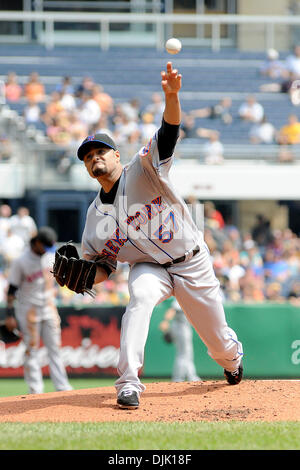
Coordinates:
[149,284]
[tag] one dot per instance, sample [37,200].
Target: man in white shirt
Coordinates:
[251,110]
[5,217]
[262,132]
[293,61]
[23,225]
[213,150]
[89,111]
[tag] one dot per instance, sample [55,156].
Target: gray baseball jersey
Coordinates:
[148,221]
[31,274]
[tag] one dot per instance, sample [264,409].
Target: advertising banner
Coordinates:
[90,343]
[270,334]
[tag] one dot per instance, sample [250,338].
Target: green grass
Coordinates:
[233,435]
[148,436]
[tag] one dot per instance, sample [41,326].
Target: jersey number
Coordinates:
[164,235]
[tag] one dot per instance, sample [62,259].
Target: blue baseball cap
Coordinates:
[94,141]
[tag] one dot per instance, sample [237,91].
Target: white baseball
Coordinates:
[173,46]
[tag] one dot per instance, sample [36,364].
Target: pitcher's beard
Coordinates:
[98,172]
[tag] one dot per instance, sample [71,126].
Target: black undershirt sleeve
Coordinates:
[167,138]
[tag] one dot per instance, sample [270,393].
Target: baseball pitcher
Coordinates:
[139,218]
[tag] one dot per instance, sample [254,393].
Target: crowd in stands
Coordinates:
[69,113]
[257,266]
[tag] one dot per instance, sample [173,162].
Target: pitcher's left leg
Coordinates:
[198,292]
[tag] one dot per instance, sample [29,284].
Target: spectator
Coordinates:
[68,101]
[252,288]
[147,128]
[254,259]
[273,67]
[188,129]
[213,150]
[213,217]
[126,130]
[251,110]
[13,91]
[284,86]
[275,268]
[58,131]
[261,232]
[220,110]
[290,86]
[86,86]
[293,295]
[156,107]
[292,62]
[262,132]
[104,100]
[77,129]
[65,86]
[53,108]
[291,256]
[102,127]
[3,287]
[234,236]
[277,244]
[32,112]
[5,221]
[34,90]
[273,292]
[11,247]
[133,109]
[235,271]
[6,149]
[89,111]
[290,133]
[23,225]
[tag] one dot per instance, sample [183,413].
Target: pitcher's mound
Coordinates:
[251,400]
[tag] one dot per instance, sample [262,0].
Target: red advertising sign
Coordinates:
[90,344]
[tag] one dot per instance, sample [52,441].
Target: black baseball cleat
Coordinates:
[128,400]
[234,378]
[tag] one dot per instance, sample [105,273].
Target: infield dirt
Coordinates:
[251,400]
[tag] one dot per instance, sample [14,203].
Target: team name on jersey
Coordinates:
[32,277]
[141,217]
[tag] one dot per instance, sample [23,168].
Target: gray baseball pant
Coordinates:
[197,291]
[42,323]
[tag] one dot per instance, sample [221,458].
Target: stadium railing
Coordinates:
[158,20]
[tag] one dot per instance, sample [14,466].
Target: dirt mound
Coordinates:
[251,400]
